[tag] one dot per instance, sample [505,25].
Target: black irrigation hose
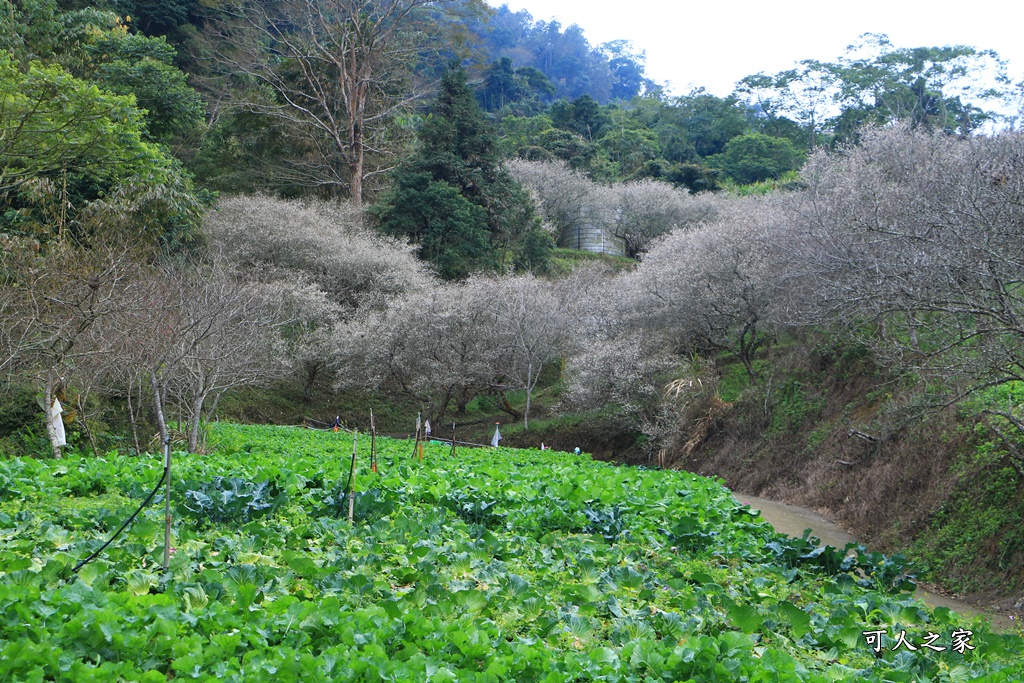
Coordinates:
[348,484]
[124,526]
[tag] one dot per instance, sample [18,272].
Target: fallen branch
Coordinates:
[861,435]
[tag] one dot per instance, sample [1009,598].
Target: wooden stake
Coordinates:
[416,444]
[453,439]
[373,444]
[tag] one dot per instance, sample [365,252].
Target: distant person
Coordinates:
[337,423]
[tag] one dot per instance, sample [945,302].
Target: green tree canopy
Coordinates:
[96,45]
[583,116]
[522,90]
[56,123]
[128,64]
[453,195]
[756,157]
[69,145]
[949,88]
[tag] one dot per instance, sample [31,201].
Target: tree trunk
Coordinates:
[197,418]
[311,372]
[506,407]
[212,413]
[132,417]
[749,344]
[158,406]
[355,182]
[356,112]
[441,408]
[462,401]
[85,426]
[531,382]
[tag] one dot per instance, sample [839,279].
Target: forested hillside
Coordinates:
[273,210]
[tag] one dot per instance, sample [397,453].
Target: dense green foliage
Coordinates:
[102,136]
[756,157]
[680,140]
[522,89]
[87,108]
[489,565]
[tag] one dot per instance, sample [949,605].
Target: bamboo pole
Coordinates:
[453,440]
[167,503]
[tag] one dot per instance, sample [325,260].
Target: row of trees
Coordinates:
[123,335]
[301,97]
[324,97]
[908,244]
[454,342]
[88,322]
[100,125]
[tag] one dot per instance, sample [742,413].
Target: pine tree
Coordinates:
[456,200]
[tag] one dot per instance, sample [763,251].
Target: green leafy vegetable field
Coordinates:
[489,565]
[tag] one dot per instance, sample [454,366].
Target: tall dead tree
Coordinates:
[335,73]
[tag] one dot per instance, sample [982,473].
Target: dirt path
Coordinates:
[792,520]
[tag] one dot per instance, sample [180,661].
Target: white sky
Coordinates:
[713,45]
